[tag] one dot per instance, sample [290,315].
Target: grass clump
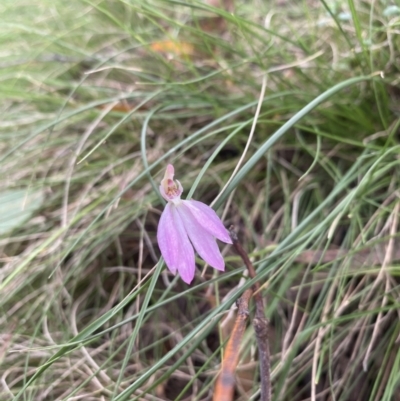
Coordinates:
[98,96]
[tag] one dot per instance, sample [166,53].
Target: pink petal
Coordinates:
[208,219]
[204,243]
[174,244]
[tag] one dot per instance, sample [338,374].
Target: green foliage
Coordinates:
[17,206]
[97,96]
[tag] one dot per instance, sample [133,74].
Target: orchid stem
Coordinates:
[260,322]
[225,385]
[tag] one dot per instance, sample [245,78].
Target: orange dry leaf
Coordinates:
[225,384]
[123,107]
[175,48]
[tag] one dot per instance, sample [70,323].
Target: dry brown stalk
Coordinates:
[226,381]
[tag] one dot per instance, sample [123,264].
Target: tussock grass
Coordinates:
[98,96]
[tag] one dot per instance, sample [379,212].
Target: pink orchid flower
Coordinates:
[185,224]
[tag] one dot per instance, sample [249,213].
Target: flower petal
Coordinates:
[208,219]
[204,243]
[174,244]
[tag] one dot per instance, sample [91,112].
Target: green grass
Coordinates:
[93,110]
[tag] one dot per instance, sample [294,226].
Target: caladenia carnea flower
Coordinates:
[185,224]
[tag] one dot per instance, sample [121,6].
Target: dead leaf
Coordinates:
[171,47]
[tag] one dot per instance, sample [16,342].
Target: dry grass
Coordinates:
[98,96]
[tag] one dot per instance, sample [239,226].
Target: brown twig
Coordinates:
[226,381]
[260,322]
